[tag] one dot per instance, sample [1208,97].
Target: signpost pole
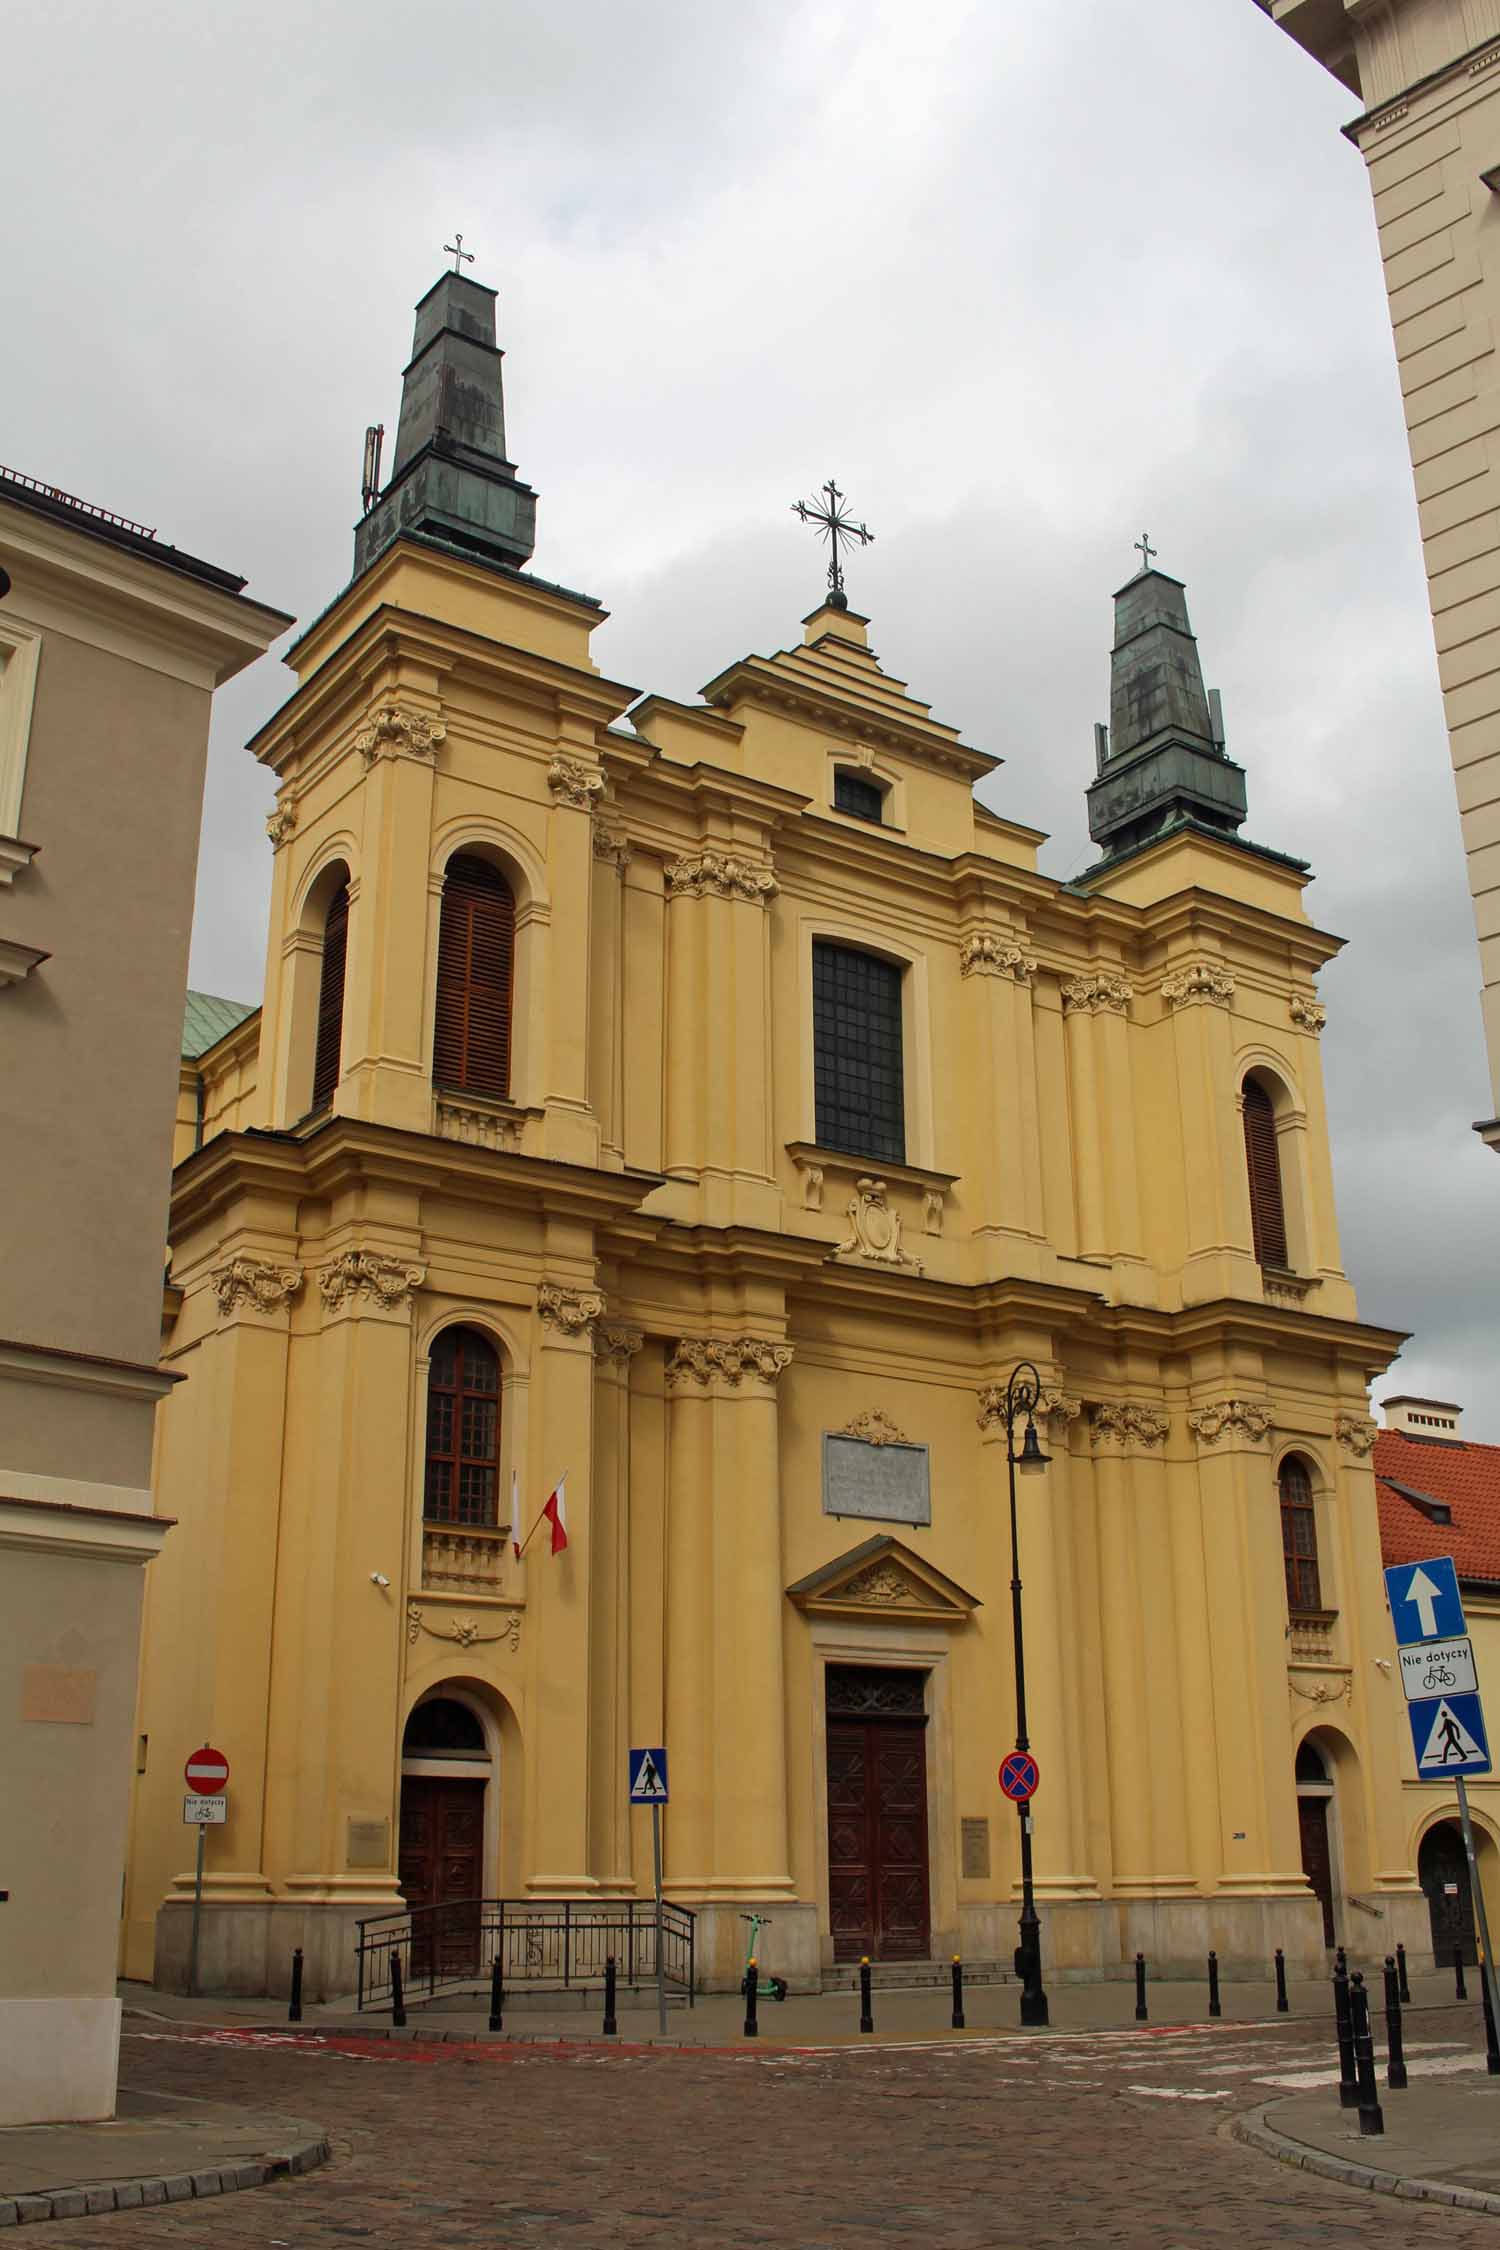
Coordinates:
[198,1911]
[1491,1981]
[661,1974]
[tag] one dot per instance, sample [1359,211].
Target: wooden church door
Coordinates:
[877,1815]
[442,1865]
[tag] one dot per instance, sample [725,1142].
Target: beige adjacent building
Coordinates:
[111,644]
[1428,73]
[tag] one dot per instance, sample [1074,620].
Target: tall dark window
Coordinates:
[861,1104]
[1267,1209]
[1299,1536]
[463,1430]
[476,972]
[331,998]
[853,794]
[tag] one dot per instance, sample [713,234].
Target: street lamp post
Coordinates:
[1022,1396]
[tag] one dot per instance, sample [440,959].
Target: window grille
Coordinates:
[852,793]
[331,999]
[1299,1537]
[861,1102]
[463,1430]
[476,971]
[1267,1209]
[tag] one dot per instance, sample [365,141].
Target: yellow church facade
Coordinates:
[708,1106]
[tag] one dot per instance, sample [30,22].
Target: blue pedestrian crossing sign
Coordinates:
[648,1777]
[1424,1600]
[1448,1737]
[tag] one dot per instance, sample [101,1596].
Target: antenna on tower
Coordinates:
[370,485]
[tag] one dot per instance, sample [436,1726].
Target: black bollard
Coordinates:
[1460,1989]
[1370,2118]
[497,1994]
[610,2025]
[1140,1988]
[1213,1985]
[1281,1998]
[752,1993]
[398,1997]
[294,2005]
[1344,2024]
[1491,2046]
[1395,2058]
[1401,1976]
[866,2013]
[958,1994]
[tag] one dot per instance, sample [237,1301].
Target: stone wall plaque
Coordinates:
[369,1843]
[53,1696]
[976,1834]
[885,1483]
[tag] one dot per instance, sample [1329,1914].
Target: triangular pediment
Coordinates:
[883,1578]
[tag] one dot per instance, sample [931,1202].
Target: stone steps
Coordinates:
[913,1976]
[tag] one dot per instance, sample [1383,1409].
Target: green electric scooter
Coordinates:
[766,1988]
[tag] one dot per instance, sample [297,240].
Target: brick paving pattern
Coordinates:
[1075,2139]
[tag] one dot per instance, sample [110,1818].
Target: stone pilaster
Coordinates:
[610,1583]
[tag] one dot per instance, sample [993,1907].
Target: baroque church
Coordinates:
[705,1107]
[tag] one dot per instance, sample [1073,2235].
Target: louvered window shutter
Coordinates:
[331,999]
[1299,1537]
[1267,1211]
[476,974]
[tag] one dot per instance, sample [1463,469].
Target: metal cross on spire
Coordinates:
[1148,553]
[460,256]
[833,522]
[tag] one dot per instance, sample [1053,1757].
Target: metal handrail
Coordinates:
[565,1941]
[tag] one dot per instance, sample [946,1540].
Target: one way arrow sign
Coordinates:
[1424,1599]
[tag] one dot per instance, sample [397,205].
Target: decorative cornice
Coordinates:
[567,1310]
[1210,1423]
[280,824]
[1356,1433]
[466,1630]
[988,954]
[702,1359]
[1308,1015]
[369,1273]
[394,733]
[720,875]
[1120,1423]
[618,1345]
[255,1281]
[574,784]
[1199,981]
[1096,992]
[875,1229]
[874,1428]
[611,844]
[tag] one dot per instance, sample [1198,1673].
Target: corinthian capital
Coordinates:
[569,1311]
[1120,1422]
[1199,981]
[731,1360]
[988,954]
[394,733]
[1097,993]
[574,784]
[1210,1423]
[720,875]
[258,1282]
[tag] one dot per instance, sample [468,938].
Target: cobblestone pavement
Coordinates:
[995,2140]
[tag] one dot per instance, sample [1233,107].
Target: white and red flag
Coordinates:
[556,1514]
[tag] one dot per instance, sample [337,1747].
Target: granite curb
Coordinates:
[161,2187]
[1255,2130]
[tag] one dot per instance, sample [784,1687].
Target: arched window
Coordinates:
[331,998]
[443,1728]
[1267,1207]
[463,1430]
[858,1084]
[476,974]
[1299,1536]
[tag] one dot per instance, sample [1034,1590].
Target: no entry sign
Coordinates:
[1019,1777]
[207,1771]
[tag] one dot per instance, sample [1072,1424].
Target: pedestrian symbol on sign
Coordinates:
[1449,1743]
[648,1777]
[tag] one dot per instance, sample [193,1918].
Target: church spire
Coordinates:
[1161,758]
[451,481]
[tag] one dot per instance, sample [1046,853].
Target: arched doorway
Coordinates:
[1443,1872]
[1314,1806]
[446,1770]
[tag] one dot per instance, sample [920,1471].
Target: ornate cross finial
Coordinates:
[460,256]
[1147,551]
[833,522]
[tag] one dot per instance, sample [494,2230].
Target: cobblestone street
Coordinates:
[1090,2138]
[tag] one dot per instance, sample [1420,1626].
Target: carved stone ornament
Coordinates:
[1210,1423]
[719,875]
[255,1281]
[884,1586]
[701,1360]
[874,1428]
[478,1128]
[1308,1015]
[812,1187]
[1053,1406]
[575,785]
[280,824]
[1356,1433]
[1122,1423]
[369,1274]
[611,845]
[875,1229]
[618,1345]
[569,1311]
[1324,1692]
[987,954]
[394,733]
[1097,993]
[466,1631]
[1200,980]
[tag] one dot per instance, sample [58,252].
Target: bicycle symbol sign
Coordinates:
[1438,1668]
[1019,1777]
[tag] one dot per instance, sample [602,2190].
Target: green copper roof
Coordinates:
[205,1021]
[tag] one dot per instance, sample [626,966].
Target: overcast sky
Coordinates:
[1024,279]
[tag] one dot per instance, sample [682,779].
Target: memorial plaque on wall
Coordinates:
[976,1836]
[885,1483]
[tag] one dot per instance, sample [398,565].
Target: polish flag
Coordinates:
[557,1515]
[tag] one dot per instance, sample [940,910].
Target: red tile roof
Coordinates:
[1464,1478]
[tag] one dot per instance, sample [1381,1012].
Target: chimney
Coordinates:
[1424,1418]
